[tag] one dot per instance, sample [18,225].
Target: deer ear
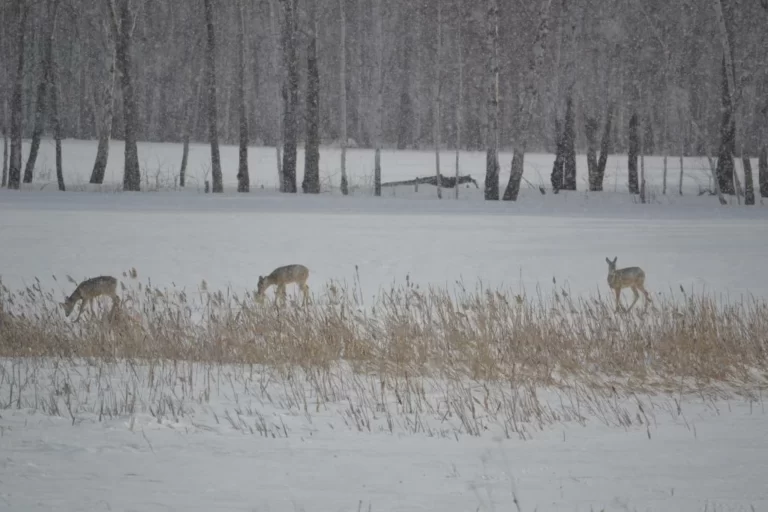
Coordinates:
[615,258]
[607,261]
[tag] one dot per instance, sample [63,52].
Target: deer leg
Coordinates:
[80,310]
[647,295]
[637,296]
[115,305]
[618,298]
[281,293]
[305,292]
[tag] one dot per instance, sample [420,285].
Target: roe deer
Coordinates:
[630,277]
[89,290]
[282,276]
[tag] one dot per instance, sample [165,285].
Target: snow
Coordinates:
[708,456]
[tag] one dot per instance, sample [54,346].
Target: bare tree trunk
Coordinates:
[343,89]
[14,172]
[4,181]
[311,182]
[56,121]
[459,101]
[605,147]
[642,169]
[105,124]
[42,91]
[123,19]
[680,184]
[762,171]
[492,99]
[527,102]
[569,147]
[193,116]
[213,129]
[725,165]
[379,99]
[749,187]
[243,179]
[438,83]
[556,178]
[277,74]
[590,130]
[634,149]
[290,95]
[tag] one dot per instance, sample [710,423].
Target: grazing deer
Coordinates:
[89,290]
[282,276]
[630,277]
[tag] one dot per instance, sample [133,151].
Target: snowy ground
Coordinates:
[708,457]
[234,449]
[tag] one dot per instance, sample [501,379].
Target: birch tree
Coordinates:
[103,105]
[43,89]
[528,102]
[243,179]
[438,87]
[210,72]
[311,182]
[290,95]
[276,77]
[343,97]
[122,18]
[14,170]
[379,81]
[492,102]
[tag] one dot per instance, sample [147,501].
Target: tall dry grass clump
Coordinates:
[479,333]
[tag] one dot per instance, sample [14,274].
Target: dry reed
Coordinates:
[480,334]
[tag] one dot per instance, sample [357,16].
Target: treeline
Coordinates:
[391,73]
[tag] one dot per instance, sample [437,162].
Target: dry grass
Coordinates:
[478,334]
[429,361]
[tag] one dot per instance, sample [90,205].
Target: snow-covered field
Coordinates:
[707,455]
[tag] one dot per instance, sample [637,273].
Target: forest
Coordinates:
[676,77]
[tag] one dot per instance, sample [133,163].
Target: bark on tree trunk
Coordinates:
[634,149]
[643,198]
[122,25]
[459,100]
[749,187]
[438,82]
[14,171]
[274,25]
[4,181]
[105,125]
[569,147]
[42,91]
[762,171]
[379,99]
[56,121]
[556,178]
[343,99]
[590,130]
[492,100]
[727,148]
[311,182]
[243,179]
[192,117]
[528,101]
[290,95]
[213,129]
[605,147]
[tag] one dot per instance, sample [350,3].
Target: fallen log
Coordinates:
[445,181]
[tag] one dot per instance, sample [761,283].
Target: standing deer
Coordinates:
[630,277]
[89,290]
[282,276]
